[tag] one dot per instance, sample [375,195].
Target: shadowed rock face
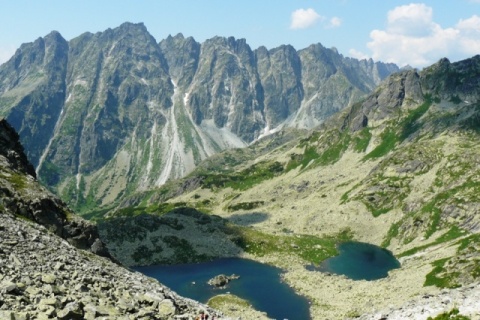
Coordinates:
[91,110]
[21,195]
[12,150]
[183,235]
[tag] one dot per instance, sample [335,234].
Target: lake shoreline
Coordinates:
[259,284]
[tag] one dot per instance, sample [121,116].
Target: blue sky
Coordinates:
[404,32]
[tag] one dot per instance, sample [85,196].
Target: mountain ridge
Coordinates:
[92,109]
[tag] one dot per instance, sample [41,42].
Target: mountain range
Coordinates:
[106,114]
[184,152]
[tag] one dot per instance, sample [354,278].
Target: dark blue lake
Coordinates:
[259,283]
[360,261]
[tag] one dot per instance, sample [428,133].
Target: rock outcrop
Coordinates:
[12,150]
[222,280]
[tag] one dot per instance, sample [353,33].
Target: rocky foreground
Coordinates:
[43,277]
[465,300]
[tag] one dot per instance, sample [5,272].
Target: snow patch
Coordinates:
[267,131]
[79,178]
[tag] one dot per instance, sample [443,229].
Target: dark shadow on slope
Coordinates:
[248,219]
[183,235]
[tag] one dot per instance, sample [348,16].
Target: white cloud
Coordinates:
[469,35]
[358,54]
[471,24]
[335,22]
[304,18]
[413,37]
[411,20]
[6,53]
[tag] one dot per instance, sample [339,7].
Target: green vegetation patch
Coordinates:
[157,209]
[410,124]
[389,139]
[19,181]
[302,160]
[245,179]
[245,205]
[334,151]
[462,268]
[439,277]
[320,150]
[309,248]
[392,233]
[452,234]
[183,250]
[362,140]
[454,314]
[217,302]
[400,131]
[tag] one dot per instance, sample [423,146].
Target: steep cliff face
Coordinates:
[32,91]
[226,88]
[109,113]
[280,72]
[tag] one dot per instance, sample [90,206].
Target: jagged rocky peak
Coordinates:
[280,72]
[401,89]
[182,55]
[116,80]
[32,61]
[226,88]
[456,83]
[114,101]
[444,79]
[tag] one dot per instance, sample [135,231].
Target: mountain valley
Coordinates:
[181,152]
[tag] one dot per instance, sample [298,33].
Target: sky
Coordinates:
[415,33]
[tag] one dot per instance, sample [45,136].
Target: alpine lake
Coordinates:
[261,284]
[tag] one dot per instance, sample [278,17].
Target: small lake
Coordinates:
[359,261]
[259,284]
